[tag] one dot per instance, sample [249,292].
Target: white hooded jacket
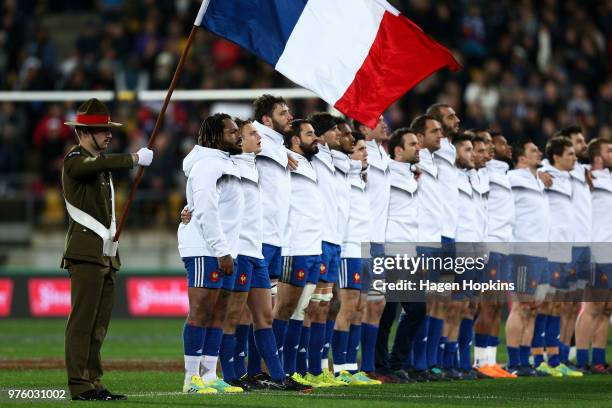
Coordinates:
[214,196]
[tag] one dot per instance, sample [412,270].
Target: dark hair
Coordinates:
[556,146]
[340,120]
[569,131]
[296,128]
[264,105]
[518,149]
[241,123]
[435,110]
[211,130]
[477,138]
[358,136]
[357,124]
[397,139]
[419,124]
[462,137]
[594,146]
[322,122]
[495,133]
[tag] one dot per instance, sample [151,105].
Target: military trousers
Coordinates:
[92,296]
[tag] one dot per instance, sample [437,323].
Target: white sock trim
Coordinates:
[210,365]
[192,366]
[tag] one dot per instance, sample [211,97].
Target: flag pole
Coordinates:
[160,118]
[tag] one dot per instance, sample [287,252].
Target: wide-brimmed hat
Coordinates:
[93,113]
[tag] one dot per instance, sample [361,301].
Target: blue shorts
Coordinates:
[581,263]
[330,262]
[351,270]
[499,268]
[527,272]
[274,260]
[250,273]
[377,250]
[297,270]
[203,272]
[602,278]
[557,274]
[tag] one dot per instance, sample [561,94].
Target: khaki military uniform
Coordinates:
[86,183]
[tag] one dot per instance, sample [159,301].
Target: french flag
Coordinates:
[358,55]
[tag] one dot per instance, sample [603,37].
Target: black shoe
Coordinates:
[241,383]
[89,395]
[402,375]
[522,371]
[252,383]
[469,375]
[453,374]
[109,396]
[420,376]
[290,384]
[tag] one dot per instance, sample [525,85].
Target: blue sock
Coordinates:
[450,351]
[433,340]
[440,356]
[193,338]
[329,333]
[524,353]
[264,339]
[368,344]
[226,355]
[466,331]
[564,352]
[315,348]
[419,346]
[553,329]
[242,335]
[339,347]
[582,357]
[279,327]
[409,363]
[492,341]
[599,356]
[290,348]
[539,333]
[514,357]
[212,341]
[352,347]
[254,362]
[481,340]
[302,355]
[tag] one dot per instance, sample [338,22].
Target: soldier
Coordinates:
[90,255]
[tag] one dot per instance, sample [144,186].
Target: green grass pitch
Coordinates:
[39,343]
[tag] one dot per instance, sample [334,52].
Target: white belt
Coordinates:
[109,247]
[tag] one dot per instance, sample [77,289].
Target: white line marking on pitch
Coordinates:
[354,396]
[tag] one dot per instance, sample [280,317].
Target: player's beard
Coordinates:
[279,128]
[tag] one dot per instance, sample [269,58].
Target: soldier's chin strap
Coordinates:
[92,138]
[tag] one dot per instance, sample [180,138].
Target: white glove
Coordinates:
[145,156]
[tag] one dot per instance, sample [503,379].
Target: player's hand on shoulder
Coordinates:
[226,264]
[292,162]
[145,156]
[546,178]
[185,215]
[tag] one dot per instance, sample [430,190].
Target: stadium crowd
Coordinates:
[531,67]
[286,219]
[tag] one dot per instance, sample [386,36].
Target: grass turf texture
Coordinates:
[160,340]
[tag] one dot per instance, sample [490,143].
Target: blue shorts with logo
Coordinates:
[330,262]
[351,271]
[273,259]
[499,267]
[581,262]
[527,272]
[250,273]
[377,250]
[602,276]
[299,269]
[204,272]
[557,274]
